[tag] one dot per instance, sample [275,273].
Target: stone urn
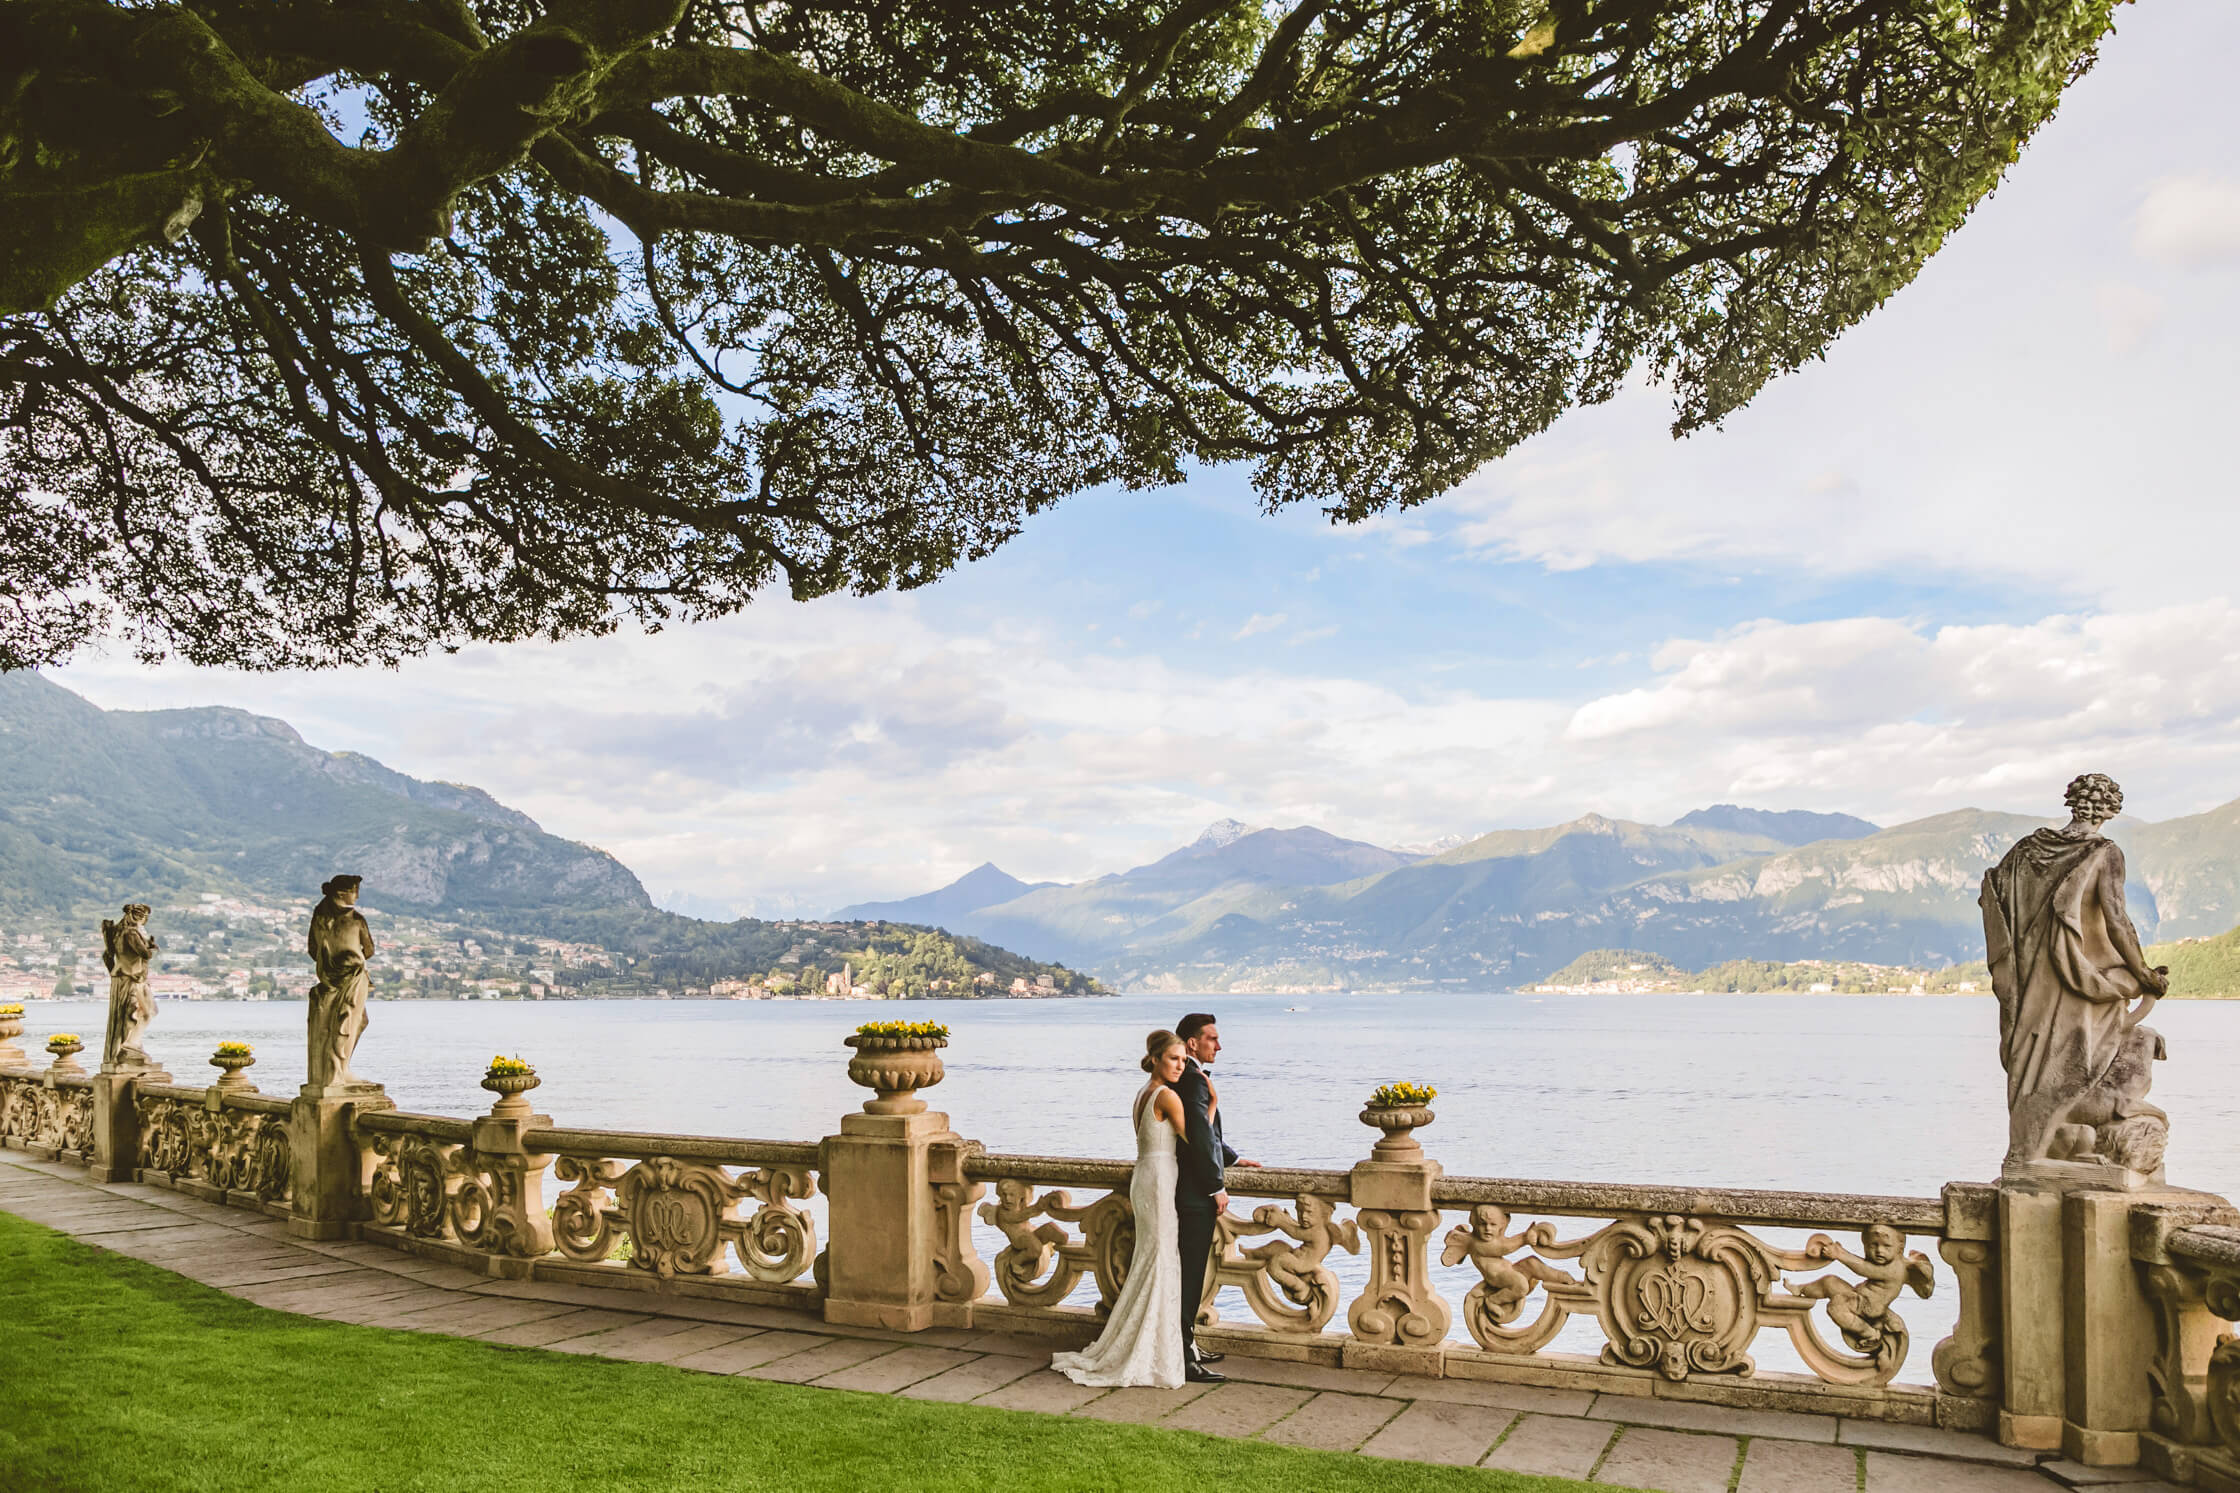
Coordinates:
[895,1068]
[11,1027]
[230,1064]
[512,1088]
[1399,1122]
[65,1048]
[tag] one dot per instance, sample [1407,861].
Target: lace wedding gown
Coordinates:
[1142,1340]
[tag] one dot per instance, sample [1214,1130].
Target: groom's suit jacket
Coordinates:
[1204,1153]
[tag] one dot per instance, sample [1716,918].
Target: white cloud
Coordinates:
[810,756]
[1896,720]
[1258,623]
[2189,221]
[2129,315]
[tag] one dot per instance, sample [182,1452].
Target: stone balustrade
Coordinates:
[2120,1353]
[48,1112]
[228,1145]
[1676,1280]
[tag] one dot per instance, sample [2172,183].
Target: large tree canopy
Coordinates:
[344,329]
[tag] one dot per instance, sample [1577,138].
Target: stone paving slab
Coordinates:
[668,1348]
[1142,1405]
[1928,1441]
[1771,1466]
[815,1363]
[1553,1446]
[1887,1473]
[890,1373]
[1441,1431]
[1044,1389]
[1670,1461]
[1499,1396]
[1238,1410]
[1690,1415]
[1333,1421]
[2125,1479]
[969,1381]
[1669,1446]
[569,1324]
[738,1356]
[644,1330]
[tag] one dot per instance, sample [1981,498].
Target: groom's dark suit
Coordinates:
[1198,1168]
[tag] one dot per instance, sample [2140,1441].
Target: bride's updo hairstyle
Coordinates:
[1155,1046]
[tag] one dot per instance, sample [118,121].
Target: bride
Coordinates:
[1142,1340]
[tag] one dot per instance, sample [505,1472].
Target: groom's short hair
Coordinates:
[1189,1026]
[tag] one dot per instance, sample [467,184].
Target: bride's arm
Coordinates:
[1168,1106]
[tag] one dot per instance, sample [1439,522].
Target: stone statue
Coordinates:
[340,943]
[2073,986]
[126,949]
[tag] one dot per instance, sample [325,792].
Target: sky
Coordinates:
[1986,544]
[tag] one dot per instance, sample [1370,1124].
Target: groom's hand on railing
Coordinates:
[1246,1161]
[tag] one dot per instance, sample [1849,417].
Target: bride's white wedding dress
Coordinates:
[1142,1340]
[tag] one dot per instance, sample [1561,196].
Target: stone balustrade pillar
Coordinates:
[2079,1328]
[328,1195]
[1400,1322]
[879,1178]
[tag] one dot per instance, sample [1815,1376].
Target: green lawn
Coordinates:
[115,1376]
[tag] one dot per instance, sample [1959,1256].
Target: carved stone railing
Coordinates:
[220,1143]
[637,1209]
[1679,1281]
[47,1113]
[2191,1272]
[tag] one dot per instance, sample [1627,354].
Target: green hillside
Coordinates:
[98,807]
[2205,967]
[1634,971]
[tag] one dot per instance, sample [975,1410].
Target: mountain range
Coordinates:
[163,806]
[1300,908]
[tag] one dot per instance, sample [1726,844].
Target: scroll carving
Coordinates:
[780,1240]
[1967,1363]
[498,1204]
[959,1274]
[1285,1281]
[411,1185]
[1401,1307]
[238,1150]
[35,1113]
[584,1220]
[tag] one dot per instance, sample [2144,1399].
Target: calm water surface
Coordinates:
[1874,1094]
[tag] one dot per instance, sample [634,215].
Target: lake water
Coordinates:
[1871,1094]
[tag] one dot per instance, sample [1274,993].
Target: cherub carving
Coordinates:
[1297,1269]
[1861,1309]
[1012,1212]
[1487,1244]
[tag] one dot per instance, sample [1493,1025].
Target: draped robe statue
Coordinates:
[2067,968]
[340,944]
[126,949]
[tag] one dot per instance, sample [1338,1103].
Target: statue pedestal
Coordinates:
[116,1121]
[2079,1333]
[327,1196]
[879,1186]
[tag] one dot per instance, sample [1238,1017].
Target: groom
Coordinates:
[1200,1194]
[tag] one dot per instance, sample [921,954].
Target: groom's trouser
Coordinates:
[1194,1240]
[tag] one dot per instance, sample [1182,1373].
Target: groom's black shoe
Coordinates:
[1197,1373]
[1200,1355]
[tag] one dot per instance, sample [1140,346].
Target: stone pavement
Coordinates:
[1622,1441]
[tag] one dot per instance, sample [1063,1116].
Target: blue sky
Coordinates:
[1986,544]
